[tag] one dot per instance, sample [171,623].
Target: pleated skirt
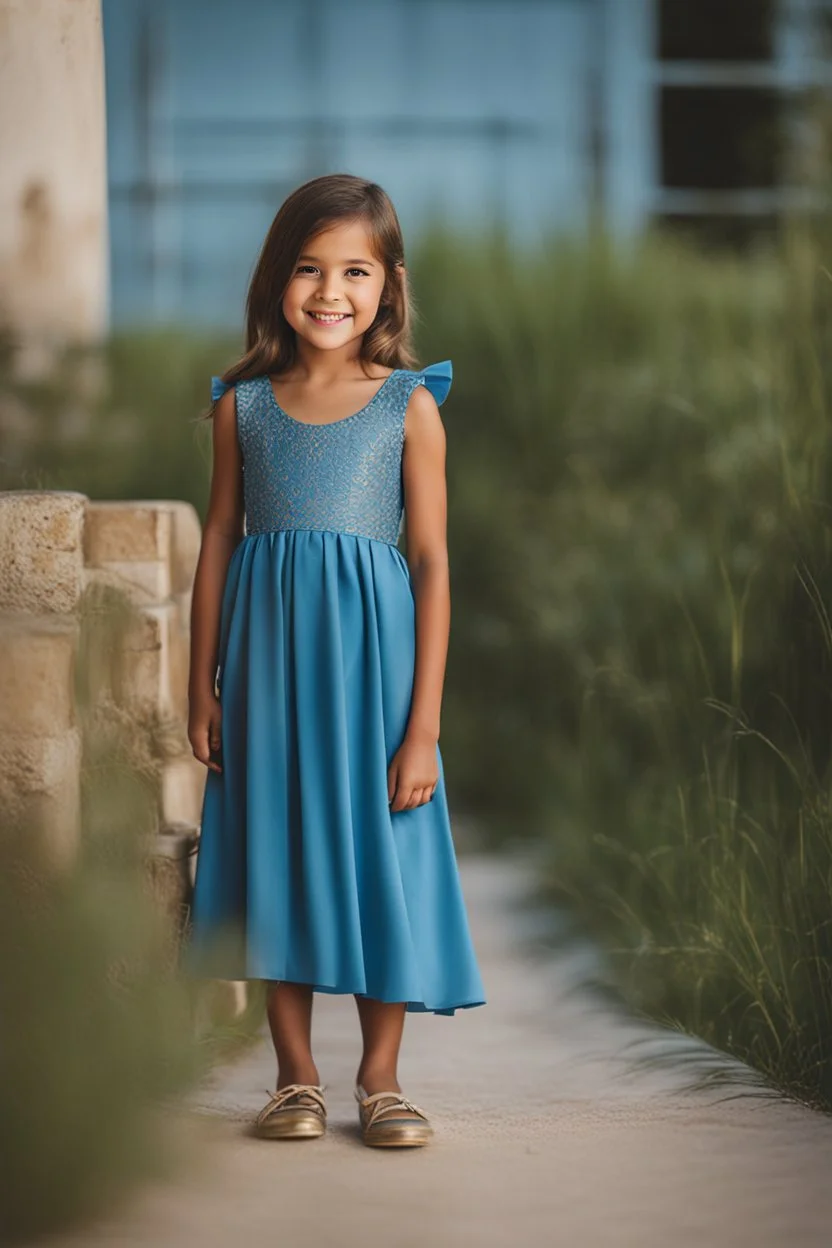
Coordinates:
[304,873]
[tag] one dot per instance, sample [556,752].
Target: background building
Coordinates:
[530,113]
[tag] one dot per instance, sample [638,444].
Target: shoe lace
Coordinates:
[300,1092]
[375,1108]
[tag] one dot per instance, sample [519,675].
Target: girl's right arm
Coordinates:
[221,533]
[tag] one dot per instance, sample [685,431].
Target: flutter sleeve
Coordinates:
[437,378]
[219,387]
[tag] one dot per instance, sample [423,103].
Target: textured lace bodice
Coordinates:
[344,476]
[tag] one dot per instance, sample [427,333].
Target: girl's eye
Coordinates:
[305,267]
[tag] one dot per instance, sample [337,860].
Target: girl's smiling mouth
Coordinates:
[328,318]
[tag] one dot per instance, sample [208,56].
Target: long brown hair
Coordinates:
[317,205]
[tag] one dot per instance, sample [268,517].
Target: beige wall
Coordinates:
[54,282]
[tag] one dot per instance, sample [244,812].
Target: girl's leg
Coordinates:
[382,1026]
[289,1009]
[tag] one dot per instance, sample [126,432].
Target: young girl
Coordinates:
[318,651]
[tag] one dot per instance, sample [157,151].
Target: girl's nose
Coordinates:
[330,288]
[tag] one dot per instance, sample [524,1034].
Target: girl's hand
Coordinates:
[413,773]
[204,730]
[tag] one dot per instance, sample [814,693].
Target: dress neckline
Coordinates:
[314,424]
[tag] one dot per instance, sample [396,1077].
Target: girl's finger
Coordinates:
[206,760]
[199,747]
[206,747]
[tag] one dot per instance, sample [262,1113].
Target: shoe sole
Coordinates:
[375,1138]
[294,1128]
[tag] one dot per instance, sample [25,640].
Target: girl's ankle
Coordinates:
[297,1074]
[377,1081]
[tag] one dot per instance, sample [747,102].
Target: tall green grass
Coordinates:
[640,669]
[641,664]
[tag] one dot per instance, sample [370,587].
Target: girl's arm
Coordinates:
[221,533]
[423,475]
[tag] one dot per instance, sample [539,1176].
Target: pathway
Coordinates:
[544,1133]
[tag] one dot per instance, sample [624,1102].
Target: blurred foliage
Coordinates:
[99,1032]
[641,655]
[639,674]
[93,1034]
[664,532]
[120,421]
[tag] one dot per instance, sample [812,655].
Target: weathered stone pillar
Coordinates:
[54,279]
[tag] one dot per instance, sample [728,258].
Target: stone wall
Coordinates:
[60,552]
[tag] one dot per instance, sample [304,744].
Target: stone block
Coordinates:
[146,666]
[183,602]
[41,550]
[180,664]
[144,582]
[183,787]
[127,532]
[187,537]
[37,673]
[130,544]
[40,788]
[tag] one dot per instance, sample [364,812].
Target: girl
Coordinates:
[326,860]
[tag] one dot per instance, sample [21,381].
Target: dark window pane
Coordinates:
[721,233]
[719,138]
[716,30]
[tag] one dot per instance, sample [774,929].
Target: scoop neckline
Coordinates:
[310,424]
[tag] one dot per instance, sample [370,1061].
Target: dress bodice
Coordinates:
[345,475]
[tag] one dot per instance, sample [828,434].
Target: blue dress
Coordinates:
[304,873]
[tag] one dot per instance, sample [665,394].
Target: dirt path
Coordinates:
[544,1135]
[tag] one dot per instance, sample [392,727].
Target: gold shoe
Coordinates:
[296,1112]
[380,1128]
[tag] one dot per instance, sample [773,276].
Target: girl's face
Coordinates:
[338,273]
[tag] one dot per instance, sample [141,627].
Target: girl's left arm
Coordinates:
[425,498]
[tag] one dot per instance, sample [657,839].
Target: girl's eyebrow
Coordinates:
[369,263]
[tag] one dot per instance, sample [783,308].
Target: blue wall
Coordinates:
[471,110]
